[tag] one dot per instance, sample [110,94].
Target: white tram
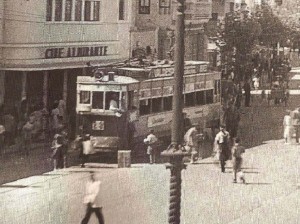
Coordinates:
[145,102]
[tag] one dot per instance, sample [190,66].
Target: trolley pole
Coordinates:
[175,151]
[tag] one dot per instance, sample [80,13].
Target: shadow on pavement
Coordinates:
[18,186]
[258,183]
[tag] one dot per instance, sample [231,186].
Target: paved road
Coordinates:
[258,123]
[139,195]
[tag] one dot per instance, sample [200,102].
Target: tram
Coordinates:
[144,101]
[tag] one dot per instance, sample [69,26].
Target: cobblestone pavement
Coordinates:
[140,194]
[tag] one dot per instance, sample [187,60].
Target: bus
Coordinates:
[143,95]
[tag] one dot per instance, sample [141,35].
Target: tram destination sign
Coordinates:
[71,52]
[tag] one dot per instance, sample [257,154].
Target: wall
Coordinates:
[30,35]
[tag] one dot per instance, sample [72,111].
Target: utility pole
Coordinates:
[175,151]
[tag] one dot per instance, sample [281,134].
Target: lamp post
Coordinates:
[175,151]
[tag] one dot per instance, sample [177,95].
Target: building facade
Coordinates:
[153,27]
[45,44]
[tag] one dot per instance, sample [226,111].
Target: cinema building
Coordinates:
[45,44]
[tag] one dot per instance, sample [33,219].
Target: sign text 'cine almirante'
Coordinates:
[72,52]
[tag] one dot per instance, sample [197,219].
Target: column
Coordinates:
[65,86]
[24,86]
[45,88]
[2,87]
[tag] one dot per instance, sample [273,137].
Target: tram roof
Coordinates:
[117,80]
[159,64]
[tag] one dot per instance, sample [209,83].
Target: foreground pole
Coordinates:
[175,151]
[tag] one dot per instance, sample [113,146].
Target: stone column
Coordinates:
[45,88]
[24,86]
[65,86]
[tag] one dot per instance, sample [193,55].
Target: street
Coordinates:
[140,194]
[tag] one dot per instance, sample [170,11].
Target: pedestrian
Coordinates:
[91,192]
[222,141]
[237,160]
[2,134]
[287,125]
[55,125]
[57,154]
[295,114]
[62,110]
[65,144]
[10,128]
[247,89]
[151,141]
[191,140]
[26,135]
[187,124]
[85,149]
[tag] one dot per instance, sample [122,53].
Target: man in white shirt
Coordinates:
[91,192]
[192,138]
[222,140]
[151,141]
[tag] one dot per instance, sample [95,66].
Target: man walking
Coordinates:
[222,140]
[191,139]
[151,141]
[91,192]
[237,160]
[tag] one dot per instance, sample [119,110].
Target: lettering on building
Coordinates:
[72,52]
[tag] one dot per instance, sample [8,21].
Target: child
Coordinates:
[237,160]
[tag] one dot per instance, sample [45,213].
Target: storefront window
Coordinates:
[92,11]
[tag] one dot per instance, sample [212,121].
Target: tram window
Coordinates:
[200,100]
[145,106]
[189,100]
[85,97]
[167,103]
[131,101]
[97,102]
[110,97]
[157,105]
[209,96]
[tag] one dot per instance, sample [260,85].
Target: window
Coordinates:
[68,10]
[144,6]
[168,103]
[200,99]
[78,9]
[121,10]
[164,6]
[97,102]
[84,97]
[58,10]
[189,99]
[209,96]
[157,105]
[145,107]
[91,10]
[49,10]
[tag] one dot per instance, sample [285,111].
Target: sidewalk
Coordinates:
[140,195]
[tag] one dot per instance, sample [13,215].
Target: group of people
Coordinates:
[291,124]
[226,150]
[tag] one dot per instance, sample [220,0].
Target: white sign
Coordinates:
[157,120]
[98,125]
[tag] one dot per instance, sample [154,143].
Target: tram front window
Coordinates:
[84,97]
[97,102]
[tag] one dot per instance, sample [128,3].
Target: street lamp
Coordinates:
[175,151]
